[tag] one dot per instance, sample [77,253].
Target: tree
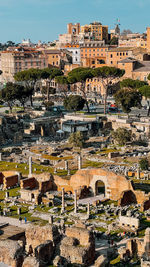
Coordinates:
[79,76]
[9,94]
[134,84]
[23,93]
[48,104]
[63,84]
[49,74]
[145,91]
[29,79]
[107,76]
[128,98]
[74,102]
[144,164]
[76,139]
[121,136]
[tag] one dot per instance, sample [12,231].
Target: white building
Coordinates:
[76,59]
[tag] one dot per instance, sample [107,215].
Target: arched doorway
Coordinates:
[99,188]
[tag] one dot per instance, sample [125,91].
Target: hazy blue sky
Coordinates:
[45,19]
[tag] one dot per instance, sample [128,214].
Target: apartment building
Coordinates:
[95,31]
[93,54]
[19,59]
[114,55]
[137,40]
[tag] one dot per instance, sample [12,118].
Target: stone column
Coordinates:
[30,166]
[68,172]
[63,201]
[126,172]
[66,165]
[0,156]
[19,211]
[79,162]
[138,172]
[75,201]
[51,219]
[88,209]
[6,194]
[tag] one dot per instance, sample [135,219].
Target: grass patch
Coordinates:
[93,164]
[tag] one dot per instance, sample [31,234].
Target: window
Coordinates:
[126,53]
[111,62]
[120,54]
[117,54]
[111,55]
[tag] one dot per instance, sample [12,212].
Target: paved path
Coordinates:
[90,200]
[13,221]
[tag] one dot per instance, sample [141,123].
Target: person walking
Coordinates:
[25,220]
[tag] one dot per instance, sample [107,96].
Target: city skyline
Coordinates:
[45,20]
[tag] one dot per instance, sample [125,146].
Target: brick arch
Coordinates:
[97,178]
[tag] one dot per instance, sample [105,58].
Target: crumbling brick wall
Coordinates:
[29,183]
[10,181]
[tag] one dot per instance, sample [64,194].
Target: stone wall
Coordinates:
[125,221]
[84,236]
[78,246]
[11,253]
[37,235]
[114,184]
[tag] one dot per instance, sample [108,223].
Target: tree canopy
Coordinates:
[130,83]
[76,139]
[128,98]
[79,76]
[144,164]
[74,102]
[13,92]
[107,75]
[49,74]
[121,136]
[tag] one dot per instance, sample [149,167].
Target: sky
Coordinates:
[45,19]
